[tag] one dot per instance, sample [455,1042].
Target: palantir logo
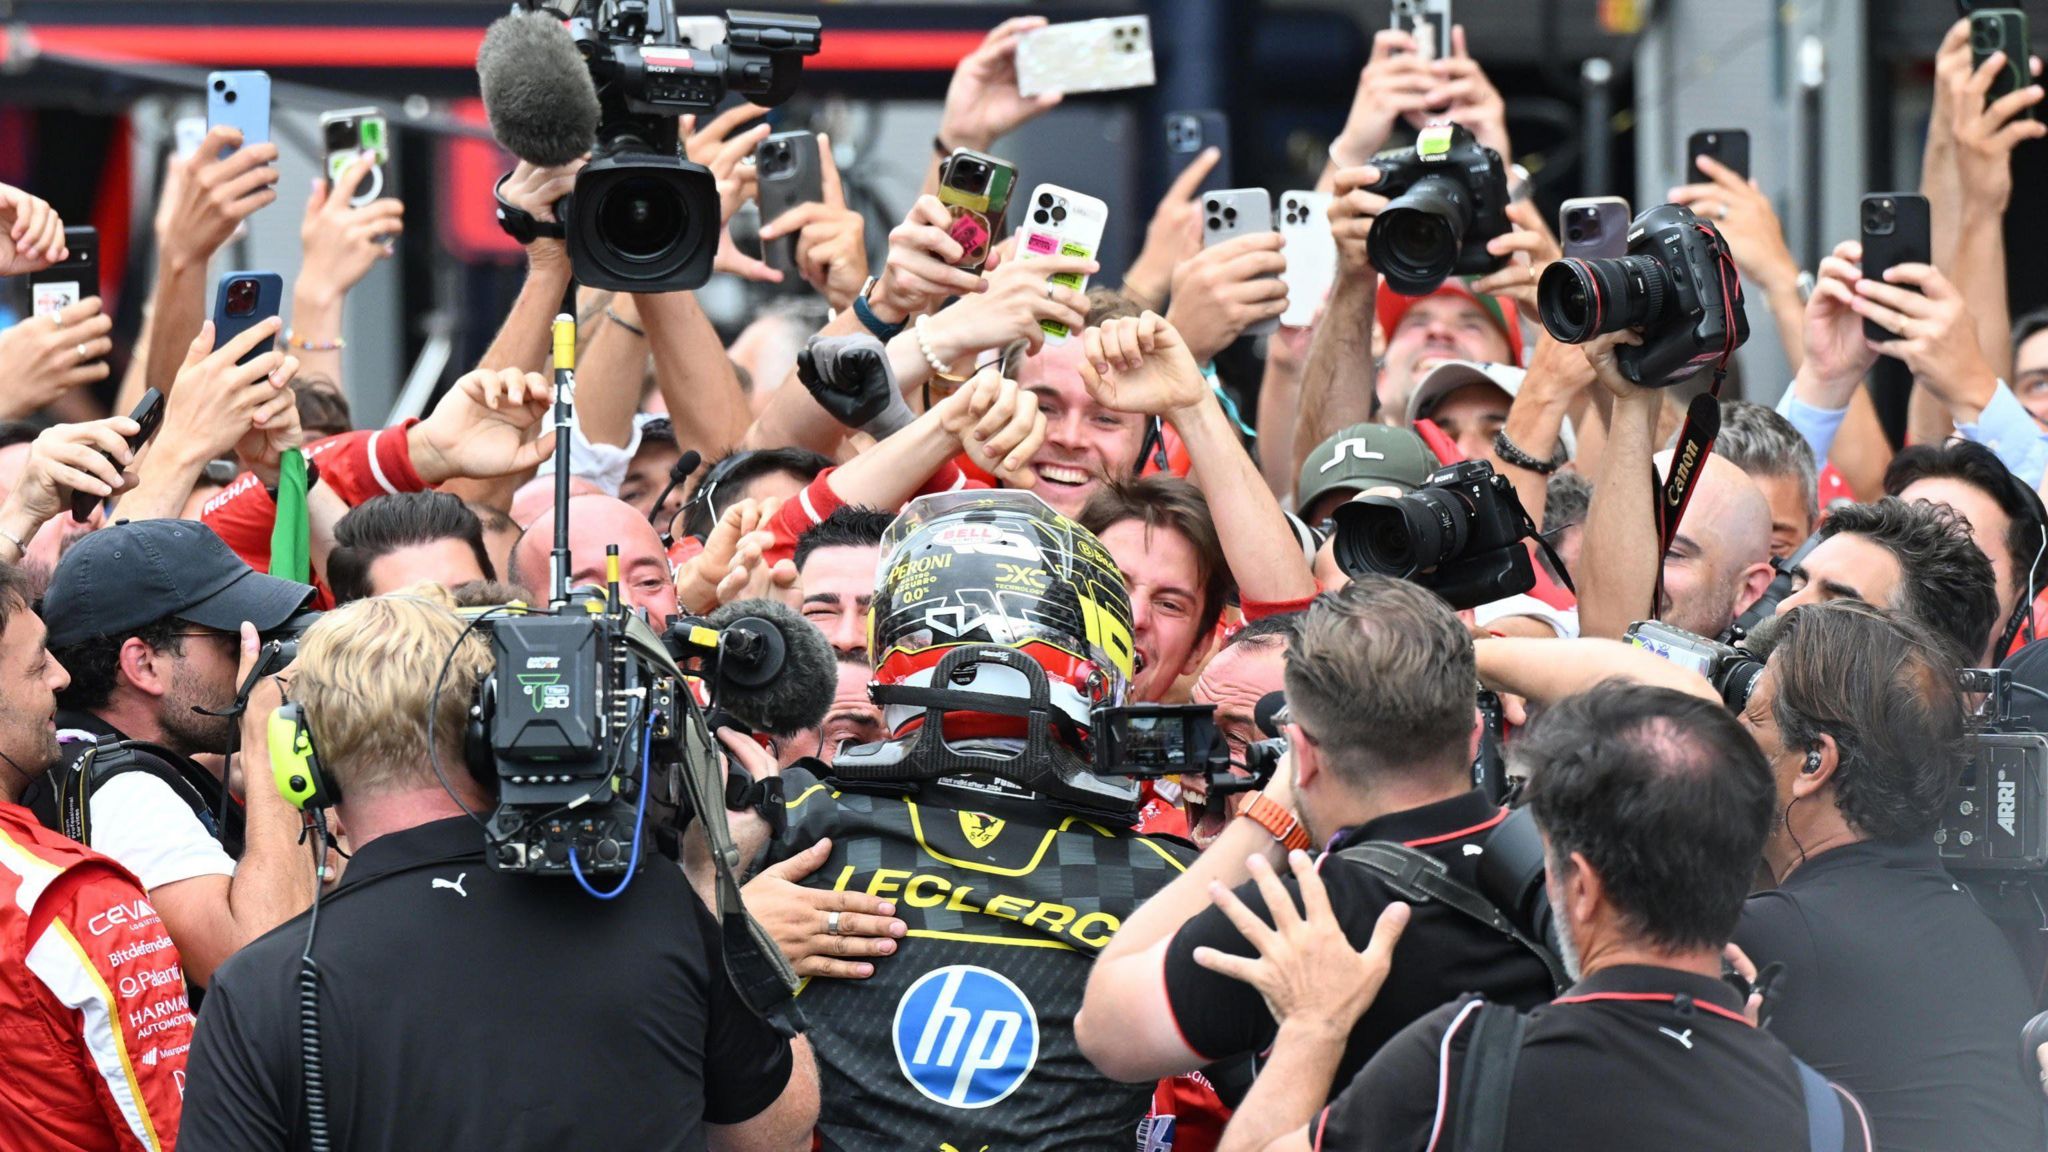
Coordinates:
[965,1036]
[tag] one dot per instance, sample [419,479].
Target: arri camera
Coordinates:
[1449,197]
[642,218]
[1997,815]
[1677,286]
[1459,535]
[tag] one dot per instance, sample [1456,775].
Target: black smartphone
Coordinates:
[2002,30]
[1187,134]
[59,286]
[245,300]
[1730,146]
[147,415]
[789,173]
[1895,231]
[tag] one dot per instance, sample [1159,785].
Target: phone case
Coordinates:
[1232,212]
[1061,221]
[787,167]
[350,134]
[1728,145]
[1311,255]
[229,323]
[1428,21]
[1187,133]
[1086,56]
[53,289]
[2002,30]
[148,414]
[239,100]
[975,188]
[1895,231]
[1594,227]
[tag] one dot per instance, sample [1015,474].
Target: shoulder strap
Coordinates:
[72,782]
[1487,1079]
[1417,876]
[1825,1123]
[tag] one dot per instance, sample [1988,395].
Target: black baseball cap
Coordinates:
[122,578]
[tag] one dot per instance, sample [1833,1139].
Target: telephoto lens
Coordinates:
[1447,197]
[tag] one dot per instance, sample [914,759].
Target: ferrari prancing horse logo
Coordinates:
[981,831]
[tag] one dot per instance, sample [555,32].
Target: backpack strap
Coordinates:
[1419,877]
[1825,1124]
[70,785]
[1487,1079]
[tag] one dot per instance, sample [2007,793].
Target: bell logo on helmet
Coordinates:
[965,1037]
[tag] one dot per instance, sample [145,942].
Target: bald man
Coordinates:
[594,522]
[1720,561]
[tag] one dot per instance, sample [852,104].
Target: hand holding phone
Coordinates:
[1087,56]
[245,300]
[1067,223]
[239,100]
[789,171]
[77,276]
[1896,230]
[148,415]
[975,188]
[2003,30]
[1729,146]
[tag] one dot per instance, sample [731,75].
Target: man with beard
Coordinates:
[144,617]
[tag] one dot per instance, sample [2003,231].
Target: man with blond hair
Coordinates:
[456,1003]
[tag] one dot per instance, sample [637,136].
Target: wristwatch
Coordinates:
[882,329]
[1284,825]
[520,224]
[1511,453]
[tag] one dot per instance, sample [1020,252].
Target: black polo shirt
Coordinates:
[1898,987]
[1443,954]
[1638,1071]
[462,1008]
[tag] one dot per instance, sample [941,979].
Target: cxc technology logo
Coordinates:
[965,1036]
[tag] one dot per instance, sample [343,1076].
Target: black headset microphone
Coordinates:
[677,473]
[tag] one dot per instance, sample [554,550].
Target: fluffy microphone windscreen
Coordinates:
[797,694]
[537,91]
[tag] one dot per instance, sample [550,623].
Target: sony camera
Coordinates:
[1996,819]
[1147,741]
[1449,196]
[1677,286]
[281,644]
[642,218]
[1732,671]
[1459,535]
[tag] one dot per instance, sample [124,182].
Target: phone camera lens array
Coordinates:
[1051,210]
[1124,38]
[1220,214]
[1294,211]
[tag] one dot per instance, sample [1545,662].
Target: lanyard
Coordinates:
[1656,997]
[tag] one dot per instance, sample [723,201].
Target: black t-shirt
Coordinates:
[965,1036]
[1595,1073]
[1899,988]
[463,1008]
[1443,954]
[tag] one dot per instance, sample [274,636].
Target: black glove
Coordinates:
[849,376]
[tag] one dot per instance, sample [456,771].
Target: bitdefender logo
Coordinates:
[2008,803]
[965,1036]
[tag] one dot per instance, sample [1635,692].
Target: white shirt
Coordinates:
[150,830]
[1563,621]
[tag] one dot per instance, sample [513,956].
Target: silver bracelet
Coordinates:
[20,549]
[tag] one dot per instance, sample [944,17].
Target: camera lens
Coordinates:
[1058,214]
[641,219]
[1040,217]
[228,98]
[1415,241]
[1045,199]
[1580,299]
[242,297]
[1399,536]
[220,85]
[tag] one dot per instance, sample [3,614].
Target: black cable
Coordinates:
[440,681]
[311,1077]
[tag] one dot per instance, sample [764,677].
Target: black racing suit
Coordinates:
[964,1039]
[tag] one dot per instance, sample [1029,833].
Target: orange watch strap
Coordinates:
[1282,824]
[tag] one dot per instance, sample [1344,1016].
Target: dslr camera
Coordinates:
[642,218]
[1732,671]
[1459,535]
[1449,196]
[1677,286]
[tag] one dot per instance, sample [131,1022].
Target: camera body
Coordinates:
[281,644]
[1677,285]
[1448,196]
[1148,741]
[1732,671]
[1459,534]
[1996,818]
[642,218]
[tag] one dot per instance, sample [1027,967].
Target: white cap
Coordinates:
[1450,375]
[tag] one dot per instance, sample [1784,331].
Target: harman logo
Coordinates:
[965,1037]
[2008,803]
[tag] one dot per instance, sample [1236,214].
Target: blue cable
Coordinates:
[639,813]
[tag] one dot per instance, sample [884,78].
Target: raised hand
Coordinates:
[1219,292]
[982,101]
[31,233]
[1141,364]
[216,401]
[1937,337]
[1463,95]
[48,356]
[1745,218]
[831,245]
[1986,134]
[484,427]
[1174,234]
[216,193]
[1837,355]
[919,274]
[1018,298]
[64,459]
[998,425]
[1396,83]
[342,242]
[1353,208]
[721,571]
[1533,242]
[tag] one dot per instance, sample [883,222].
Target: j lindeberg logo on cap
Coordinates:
[1355,449]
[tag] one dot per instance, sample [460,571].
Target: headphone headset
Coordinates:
[294,764]
[1812,763]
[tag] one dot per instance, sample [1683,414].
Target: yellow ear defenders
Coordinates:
[293,762]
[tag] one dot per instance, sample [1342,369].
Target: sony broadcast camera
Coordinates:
[1459,535]
[1677,286]
[1449,196]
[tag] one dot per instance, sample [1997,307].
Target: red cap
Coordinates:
[1391,306]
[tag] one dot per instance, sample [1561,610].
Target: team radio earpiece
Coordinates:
[1812,763]
[294,764]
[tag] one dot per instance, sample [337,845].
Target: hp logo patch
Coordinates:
[965,1036]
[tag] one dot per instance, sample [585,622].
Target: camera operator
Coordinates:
[464,1007]
[143,616]
[1379,680]
[1653,806]
[95,1014]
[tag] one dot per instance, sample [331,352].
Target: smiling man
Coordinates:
[835,573]
[1907,555]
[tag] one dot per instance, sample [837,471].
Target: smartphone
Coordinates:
[53,289]
[349,135]
[1594,227]
[239,100]
[1060,221]
[1311,255]
[787,167]
[244,300]
[1086,56]
[2003,30]
[1728,145]
[147,415]
[975,188]
[1895,231]
[1187,134]
[1429,22]
[1228,213]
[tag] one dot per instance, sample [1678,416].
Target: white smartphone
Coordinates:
[1429,22]
[1594,227]
[1311,255]
[1060,221]
[1086,56]
[1228,213]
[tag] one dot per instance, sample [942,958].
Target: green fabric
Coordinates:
[291,538]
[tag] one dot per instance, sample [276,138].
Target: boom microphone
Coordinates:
[537,90]
[776,672]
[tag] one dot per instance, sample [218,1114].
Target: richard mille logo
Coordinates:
[454,885]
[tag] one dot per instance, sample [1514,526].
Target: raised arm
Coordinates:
[1337,383]
[341,243]
[983,104]
[204,202]
[1620,558]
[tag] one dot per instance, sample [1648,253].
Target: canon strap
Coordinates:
[1688,460]
[1419,878]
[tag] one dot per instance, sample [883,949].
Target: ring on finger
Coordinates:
[84,353]
[832,924]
